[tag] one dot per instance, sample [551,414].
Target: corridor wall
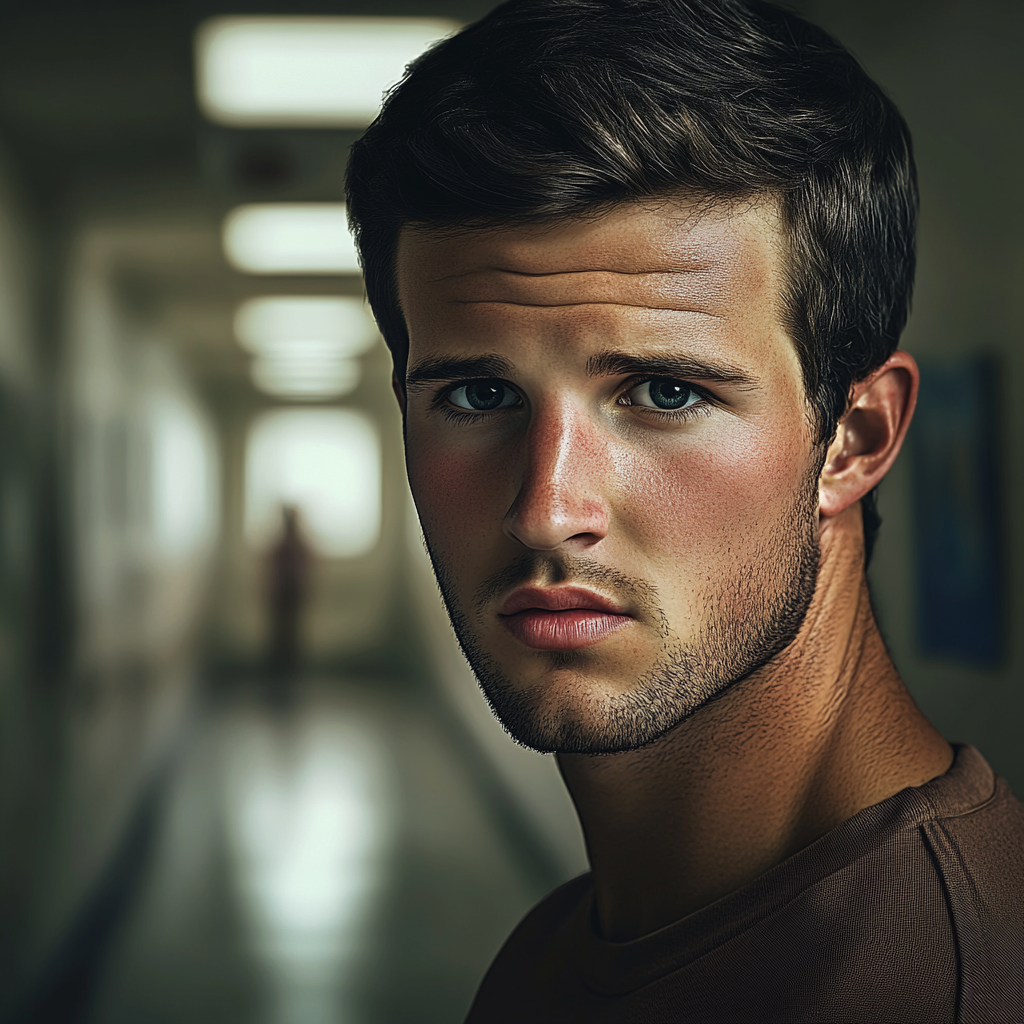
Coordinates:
[21,760]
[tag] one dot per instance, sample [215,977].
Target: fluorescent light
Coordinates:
[312,379]
[303,352]
[305,71]
[305,326]
[290,238]
[305,344]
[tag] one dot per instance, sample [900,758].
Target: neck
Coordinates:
[824,730]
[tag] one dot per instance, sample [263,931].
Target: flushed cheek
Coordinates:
[699,513]
[459,495]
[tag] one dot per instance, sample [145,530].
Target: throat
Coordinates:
[751,779]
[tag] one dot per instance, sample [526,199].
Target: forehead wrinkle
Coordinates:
[589,302]
[632,240]
[694,267]
[691,291]
[580,324]
[612,245]
[580,315]
[527,279]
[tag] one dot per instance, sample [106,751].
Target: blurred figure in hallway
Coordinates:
[287,590]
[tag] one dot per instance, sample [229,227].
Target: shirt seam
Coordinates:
[964,911]
[910,827]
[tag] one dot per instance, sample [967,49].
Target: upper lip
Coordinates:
[558,599]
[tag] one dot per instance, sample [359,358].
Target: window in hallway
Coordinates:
[327,463]
[183,478]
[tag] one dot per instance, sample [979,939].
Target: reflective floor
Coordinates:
[336,859]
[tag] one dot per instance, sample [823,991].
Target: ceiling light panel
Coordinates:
[305,71]
[305,326]
[290,238]
[285,379]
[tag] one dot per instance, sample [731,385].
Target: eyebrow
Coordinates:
[609,364]
[443,368]
[606,364]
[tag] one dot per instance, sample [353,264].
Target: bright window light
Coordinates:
[305,71]
[183,498]
[314,378]
[274,325]
[290,238]
[327,463]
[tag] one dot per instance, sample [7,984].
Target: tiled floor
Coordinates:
[338,861]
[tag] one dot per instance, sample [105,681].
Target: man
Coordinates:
[643,266]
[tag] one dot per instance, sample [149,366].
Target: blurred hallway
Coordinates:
[338,861]
[186,352]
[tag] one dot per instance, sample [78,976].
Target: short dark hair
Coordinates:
[555,109]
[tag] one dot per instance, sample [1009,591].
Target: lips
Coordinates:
[562,618]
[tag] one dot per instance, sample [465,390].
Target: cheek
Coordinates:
[706,507]
[459,493]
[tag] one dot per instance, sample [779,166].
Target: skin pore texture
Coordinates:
[654,569]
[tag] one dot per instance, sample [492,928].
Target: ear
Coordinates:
[399,390]
[870,434]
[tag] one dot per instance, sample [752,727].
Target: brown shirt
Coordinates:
[913,910]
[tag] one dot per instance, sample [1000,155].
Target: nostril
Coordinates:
[544,526]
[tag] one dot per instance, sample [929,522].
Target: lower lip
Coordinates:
[562,631]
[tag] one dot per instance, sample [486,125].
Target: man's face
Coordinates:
[609,445]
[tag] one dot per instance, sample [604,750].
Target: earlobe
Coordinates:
[870,434]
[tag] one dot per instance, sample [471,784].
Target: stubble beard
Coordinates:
[752,617]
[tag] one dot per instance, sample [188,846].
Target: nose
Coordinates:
[562,498]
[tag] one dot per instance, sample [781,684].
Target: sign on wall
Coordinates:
[958,547]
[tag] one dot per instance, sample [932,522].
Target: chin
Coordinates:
[592,701]
[573,712]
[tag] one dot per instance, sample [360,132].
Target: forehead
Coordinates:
[710,277]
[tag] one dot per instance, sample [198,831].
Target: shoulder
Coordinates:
[976,833]
[978,849]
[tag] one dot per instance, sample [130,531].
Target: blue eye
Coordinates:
[664,393]
[483,396]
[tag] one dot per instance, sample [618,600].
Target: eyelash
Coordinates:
[454,415]
[707,401]
[702,408]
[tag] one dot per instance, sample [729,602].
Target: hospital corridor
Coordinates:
[334,862]
[246,775]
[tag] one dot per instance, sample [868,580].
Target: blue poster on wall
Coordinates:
[956,512]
